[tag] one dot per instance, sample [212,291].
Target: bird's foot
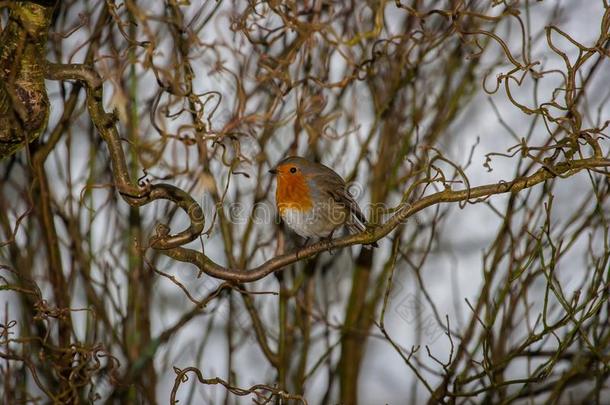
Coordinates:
[329,239]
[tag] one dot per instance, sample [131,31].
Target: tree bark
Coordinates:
[24,104]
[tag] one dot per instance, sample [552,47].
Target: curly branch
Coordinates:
[181,376]
[171,245]
[134,195]
[206,265]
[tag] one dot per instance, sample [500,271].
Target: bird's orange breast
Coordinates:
[293,193]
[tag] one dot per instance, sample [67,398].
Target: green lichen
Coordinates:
[24,104]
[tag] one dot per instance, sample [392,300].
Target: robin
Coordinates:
[313,200]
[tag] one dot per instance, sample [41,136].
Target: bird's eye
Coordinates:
[293,170]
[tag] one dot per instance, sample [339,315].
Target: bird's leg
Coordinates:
[307,239]
[303,245]
[329,238]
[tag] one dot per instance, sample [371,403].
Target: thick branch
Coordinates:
[277,263]
[134,195]
[171,245]
[24,104]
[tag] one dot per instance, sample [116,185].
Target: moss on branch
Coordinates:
[24,104]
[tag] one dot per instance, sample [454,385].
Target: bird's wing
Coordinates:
[338,191]
[347,199]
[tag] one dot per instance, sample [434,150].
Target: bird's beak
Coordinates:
[273,171]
